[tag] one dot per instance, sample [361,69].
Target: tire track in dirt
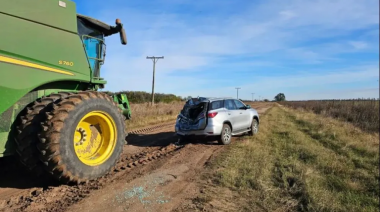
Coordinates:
[18,190]
[163,186]
[149,129]
[160,186]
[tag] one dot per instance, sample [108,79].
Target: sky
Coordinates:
[306,49]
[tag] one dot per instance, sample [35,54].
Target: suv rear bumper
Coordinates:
[208,131]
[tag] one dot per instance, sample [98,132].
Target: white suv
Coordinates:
[220,117]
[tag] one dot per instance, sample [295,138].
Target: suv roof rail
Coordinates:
[212,98]
[222,97]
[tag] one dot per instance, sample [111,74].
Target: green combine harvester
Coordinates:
[51,112]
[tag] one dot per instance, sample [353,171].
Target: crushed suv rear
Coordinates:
[193,115]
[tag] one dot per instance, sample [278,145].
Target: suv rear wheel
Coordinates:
[225,136]
[254,127]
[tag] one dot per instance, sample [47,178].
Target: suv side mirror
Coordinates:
[247,107]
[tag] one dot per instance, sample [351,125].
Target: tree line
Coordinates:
[143,97]
[338,100]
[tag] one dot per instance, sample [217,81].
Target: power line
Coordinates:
[154,59]
[237,93]
[252,96]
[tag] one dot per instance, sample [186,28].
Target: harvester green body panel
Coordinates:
[58,14]
[36,50]
[40,52]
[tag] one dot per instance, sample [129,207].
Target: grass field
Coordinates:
[299,161]
[362,113]
[144,114]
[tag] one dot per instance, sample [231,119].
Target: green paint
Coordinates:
[41,11]
[39,44]
[31,36]
[3,148]
[123,102]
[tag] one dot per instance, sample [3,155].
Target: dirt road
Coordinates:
[141,182]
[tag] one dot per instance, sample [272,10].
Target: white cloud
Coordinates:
[300,81]
[313,78]
[337,94]
[358,44]
[190,42]
[288,14]
[338,14]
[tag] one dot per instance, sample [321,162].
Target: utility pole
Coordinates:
[237,93]
[252,96]
[154,59]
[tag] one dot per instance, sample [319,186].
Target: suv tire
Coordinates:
[225,136]
[254,127]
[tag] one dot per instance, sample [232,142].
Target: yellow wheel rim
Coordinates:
[95,138]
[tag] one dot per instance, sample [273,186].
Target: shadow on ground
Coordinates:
[15,175]
[151,140]
[163,139]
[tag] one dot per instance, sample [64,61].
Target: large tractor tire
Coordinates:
[29,126]
[82,138]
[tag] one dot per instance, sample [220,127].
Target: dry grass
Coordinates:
[260,105]
[144,114]
[299,161]
[362,113]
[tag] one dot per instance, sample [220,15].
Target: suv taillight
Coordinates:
[212,115]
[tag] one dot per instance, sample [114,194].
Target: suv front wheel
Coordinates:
[225,136]
[254,127]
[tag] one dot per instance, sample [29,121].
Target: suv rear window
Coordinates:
[216,105]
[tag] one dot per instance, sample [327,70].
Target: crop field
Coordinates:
[362,113]
[300,161]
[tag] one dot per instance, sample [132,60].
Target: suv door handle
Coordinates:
[241,113]
[229,113]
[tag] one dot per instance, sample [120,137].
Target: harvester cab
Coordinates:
[92,32]
[52,115]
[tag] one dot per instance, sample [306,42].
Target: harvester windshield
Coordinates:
[92,33]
